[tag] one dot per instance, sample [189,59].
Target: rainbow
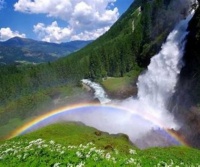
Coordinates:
[73,108]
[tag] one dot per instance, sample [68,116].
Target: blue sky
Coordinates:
[59,20]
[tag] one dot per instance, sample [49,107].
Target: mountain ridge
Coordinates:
[19,49]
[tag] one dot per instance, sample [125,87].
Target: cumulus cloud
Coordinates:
[90,35]
[83,17]
[7,33]
[1,4]
[52,33]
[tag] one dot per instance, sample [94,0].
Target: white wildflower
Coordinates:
[81,164]
[56,165]
[69,165]
[113,159]
[25,155]
[8,150]
[90,144]
[72,147]
[108,156]
[131,161]
[88,156]
[19,156]
[95,158]
[131,151]
[29,146]
[79,154]
[52,142]
[62,152]
[92,149]
[116,151]
[44,145]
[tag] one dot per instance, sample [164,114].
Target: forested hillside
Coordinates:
[133,39]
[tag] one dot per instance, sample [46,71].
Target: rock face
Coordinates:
[187,98]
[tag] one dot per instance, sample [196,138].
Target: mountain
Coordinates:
[19,50]
[132,40]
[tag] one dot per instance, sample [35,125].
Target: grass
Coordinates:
[74,144]
[77,133]
[122,87]
[114,84]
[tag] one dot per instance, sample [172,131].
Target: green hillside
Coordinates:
[131,41]
[72,144]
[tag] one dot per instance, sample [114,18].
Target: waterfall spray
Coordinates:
[157,84]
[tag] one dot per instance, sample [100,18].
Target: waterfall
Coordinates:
[148,112]
[158,83]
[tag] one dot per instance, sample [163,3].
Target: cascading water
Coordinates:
[99,92]
[157,85]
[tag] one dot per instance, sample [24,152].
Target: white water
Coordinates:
[157,84]
[99,92]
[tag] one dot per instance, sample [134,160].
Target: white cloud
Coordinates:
[52,33]
[7,33]
[81,16]
[1,4]
[90,35]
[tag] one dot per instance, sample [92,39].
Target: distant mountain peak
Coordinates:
[19,49]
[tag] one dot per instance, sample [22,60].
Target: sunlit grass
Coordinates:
[115,84]
[49,153]
[76,145]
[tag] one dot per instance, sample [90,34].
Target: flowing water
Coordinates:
[157,84]
[99,92]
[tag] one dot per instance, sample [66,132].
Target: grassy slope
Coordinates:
[77,133]
[121,87]
[67,134]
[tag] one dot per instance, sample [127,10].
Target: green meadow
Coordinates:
[76,145]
